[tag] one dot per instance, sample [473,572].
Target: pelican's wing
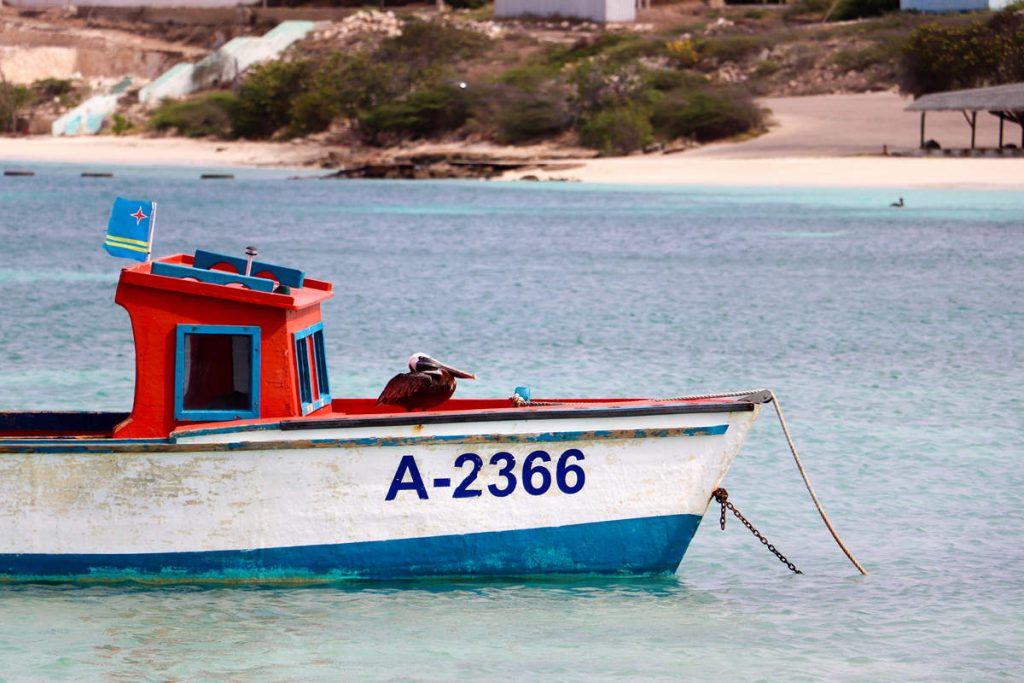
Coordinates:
[402,386]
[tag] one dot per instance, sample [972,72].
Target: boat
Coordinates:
[237,464]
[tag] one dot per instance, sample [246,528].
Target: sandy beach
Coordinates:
[818,141]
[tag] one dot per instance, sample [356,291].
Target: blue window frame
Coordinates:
[311,367]
[217,373]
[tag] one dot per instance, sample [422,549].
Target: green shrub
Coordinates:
[530,76]
[731,48]
[121,125]
[601,85]
[938,57]
[706,114]
[805,9]
[434,109]
[585,48]
[426,46]
[665,80]
[862,9]
[359,81]
[207,114]
[13,99]
[311,112]
[265,98]
[52,87]
[528,115]
[632,48]
[66,92]
[865,58]
[617,131]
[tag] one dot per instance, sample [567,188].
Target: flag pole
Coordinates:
[152,231]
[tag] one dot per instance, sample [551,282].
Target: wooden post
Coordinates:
[922,129]
[971,120]
[1001,120]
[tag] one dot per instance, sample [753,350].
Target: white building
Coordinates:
[952,5]
[602,11]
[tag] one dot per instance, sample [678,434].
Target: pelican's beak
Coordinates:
[457,372]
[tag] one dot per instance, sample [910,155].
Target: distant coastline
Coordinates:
[818,141]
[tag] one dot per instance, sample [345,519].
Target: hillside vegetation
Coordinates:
[690,76]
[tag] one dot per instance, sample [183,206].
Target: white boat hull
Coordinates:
[578,494]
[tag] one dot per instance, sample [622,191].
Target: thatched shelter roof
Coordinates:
[997,98]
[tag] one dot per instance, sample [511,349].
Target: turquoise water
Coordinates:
[892,337]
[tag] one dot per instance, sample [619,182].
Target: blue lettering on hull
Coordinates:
[644,546]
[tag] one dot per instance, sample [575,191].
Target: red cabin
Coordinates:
[214,344]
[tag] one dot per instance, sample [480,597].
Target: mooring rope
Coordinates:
[770,397]
[810,489]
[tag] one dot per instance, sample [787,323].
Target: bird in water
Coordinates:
[428,383]
[899,204]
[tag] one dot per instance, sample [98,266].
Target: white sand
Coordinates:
[134,150]
[829,141]
[832,140]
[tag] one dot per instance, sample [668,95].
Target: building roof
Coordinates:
[998,98]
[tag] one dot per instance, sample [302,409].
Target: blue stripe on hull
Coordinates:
[649,545]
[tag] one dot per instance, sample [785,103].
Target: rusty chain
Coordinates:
[722,496]
[755,396]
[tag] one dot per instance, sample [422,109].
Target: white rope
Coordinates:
[520,401]
[810,489]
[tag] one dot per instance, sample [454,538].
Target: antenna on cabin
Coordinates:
[152,230]
[250,252]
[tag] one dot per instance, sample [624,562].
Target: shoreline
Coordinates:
[662,170]
[816,141]
[880,172]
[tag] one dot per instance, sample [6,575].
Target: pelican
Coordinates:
[428,383]
[898,205]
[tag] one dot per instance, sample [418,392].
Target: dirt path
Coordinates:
[848,125]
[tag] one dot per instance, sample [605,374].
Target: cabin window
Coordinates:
[311,366]
[216,373]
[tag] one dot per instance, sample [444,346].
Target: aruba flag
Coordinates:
[128,232]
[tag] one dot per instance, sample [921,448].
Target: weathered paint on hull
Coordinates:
[397,502]
[650,546]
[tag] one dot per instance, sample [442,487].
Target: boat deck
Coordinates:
[350,412]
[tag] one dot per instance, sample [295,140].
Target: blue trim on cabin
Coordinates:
[641,546]
[304,372]
[180,412]
[290,277]
[214,277]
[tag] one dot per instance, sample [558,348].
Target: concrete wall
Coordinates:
[224,65]
[952,5]
[594,10]
[88,117]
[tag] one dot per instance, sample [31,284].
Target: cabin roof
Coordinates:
[217,276]
[996,98]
